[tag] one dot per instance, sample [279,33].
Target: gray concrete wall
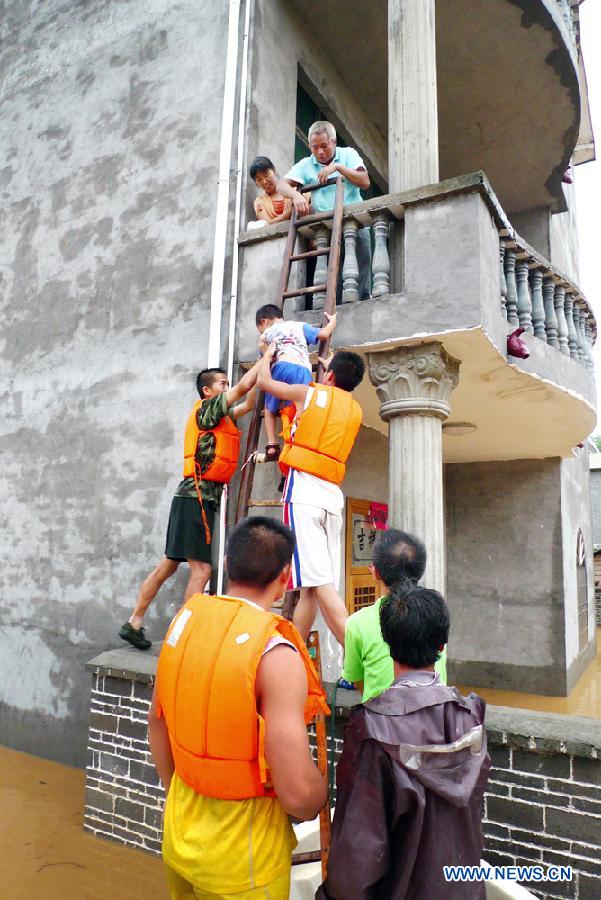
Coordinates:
[575,517]
[595,482]
[563,236]
[108,200]
[534,226]
[505,583]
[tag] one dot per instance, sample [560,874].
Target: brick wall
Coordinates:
[124,799]
[543,803]
[545,808]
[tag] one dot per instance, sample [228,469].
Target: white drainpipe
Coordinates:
[234,289]
[223,189]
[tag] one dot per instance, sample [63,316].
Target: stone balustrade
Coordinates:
[379,219]
[534,296]
[532,293]
[537,298]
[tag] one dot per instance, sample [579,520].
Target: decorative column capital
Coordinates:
[416,380]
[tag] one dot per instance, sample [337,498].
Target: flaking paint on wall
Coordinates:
[108,193]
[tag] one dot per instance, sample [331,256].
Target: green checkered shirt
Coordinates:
[209,415]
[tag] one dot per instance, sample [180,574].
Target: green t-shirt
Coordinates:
[209,415]
[366,654]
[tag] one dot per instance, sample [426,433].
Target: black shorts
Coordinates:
[186,538]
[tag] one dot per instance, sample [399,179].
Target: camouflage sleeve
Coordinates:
[211,412]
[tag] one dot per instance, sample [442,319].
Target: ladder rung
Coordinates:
[265,503]
[314,217]
[316,186]
[299,859]
[309,253]
[308,290]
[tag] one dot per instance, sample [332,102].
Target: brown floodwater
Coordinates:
[45,853]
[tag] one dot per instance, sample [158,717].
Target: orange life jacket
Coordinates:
[324,436]
[227,447]
[206,692]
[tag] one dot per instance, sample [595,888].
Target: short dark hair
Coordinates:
[257,550]
[415,624]
[205,379]
[348,369]
[268,311]
[398,556]
[260,164]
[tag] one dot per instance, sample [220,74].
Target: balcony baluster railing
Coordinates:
[544,304]
[533,294]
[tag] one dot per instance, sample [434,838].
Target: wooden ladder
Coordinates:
[282,294]
[246,484]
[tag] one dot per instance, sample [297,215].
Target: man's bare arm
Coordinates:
[247,404]
[288,188]
[355,176]
[281,694]
[296,393]
[243,386]
[160,748]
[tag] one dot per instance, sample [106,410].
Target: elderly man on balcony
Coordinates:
[327,160]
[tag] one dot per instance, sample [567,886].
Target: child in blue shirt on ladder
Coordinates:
[292,364]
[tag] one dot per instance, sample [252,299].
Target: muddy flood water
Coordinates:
[44,852]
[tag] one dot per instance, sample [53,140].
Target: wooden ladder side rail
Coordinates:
[333,267]
[321,744]
[254,429]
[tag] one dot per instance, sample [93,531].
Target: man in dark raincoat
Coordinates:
[412,774]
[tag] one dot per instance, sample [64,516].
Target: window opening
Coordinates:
[307,112]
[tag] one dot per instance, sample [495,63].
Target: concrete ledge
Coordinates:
[127,663]
[544,732]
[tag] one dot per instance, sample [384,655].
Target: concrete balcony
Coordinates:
[449,267]
[511,92]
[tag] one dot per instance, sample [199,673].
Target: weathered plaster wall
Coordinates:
[106,231]
[563,236]
[595,483]
[534,226]
[505,583]
[554,236]
[576,515]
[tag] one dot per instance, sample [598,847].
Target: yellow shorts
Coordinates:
[180,889]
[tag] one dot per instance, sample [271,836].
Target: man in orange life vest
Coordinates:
[211,445]
[319,434]
[234,692]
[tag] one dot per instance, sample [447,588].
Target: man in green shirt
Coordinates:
[190,521]
[397,557]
